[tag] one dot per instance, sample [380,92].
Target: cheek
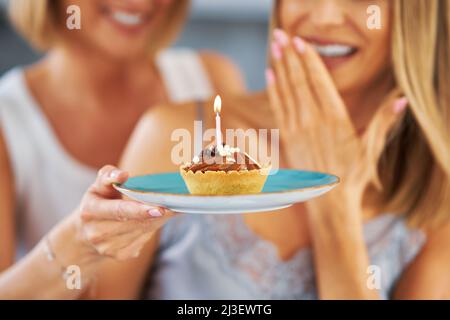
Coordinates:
[378,38]
[289,11]
[378,47]
[161,6]
[164,2]
[90,17]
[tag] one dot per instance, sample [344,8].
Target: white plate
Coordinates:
[281,190]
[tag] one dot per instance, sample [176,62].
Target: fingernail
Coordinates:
[281,37]
[270,76]
[299,44]
[400,104]
[115,173]
[154,213]
[276,51]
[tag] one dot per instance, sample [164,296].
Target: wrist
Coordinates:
[335,216]
[70,249]
[335,204]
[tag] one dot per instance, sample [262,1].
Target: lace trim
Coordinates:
[237,248]
[246,257]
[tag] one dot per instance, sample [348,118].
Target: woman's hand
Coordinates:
[114,227]
[317,132]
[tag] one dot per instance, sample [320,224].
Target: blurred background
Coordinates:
[237,28]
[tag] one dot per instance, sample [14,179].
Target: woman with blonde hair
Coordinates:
[64,117]
[370,105]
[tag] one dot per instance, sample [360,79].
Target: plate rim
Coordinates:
[119,186]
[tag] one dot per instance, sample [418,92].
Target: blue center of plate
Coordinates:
[283,180]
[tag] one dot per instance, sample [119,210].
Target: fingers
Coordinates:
[321,81]
[276,104]
[96,208]
[119,239]
[107,176]
[283,86]
[307,108]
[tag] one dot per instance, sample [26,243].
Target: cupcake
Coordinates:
[224,171]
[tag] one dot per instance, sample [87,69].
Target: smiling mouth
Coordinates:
[127,19]
[334,50]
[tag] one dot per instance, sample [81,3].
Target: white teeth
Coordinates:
[127,18]
[334,50]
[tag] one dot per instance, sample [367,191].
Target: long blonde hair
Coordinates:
[417,171]
[36,21]
[414,168]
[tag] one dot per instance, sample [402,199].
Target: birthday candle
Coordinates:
[217,109]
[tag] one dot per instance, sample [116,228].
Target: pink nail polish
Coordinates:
[276,51]
[281,37]
[155,213]
[299,44]
[270,76]
[114,174]
[400,104]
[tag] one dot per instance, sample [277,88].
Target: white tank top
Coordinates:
[49,182]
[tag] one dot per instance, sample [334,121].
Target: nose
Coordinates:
[327,13]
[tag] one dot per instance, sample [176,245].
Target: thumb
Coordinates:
[107,176]
[376,136]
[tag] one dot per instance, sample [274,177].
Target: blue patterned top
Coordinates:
[219,257]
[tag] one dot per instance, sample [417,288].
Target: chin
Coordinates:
[123,51]
[343,81]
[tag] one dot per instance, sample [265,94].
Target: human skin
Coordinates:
[334,231]
[109,81]
[360,102]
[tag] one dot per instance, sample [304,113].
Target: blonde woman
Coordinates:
[371,106]
[66,116]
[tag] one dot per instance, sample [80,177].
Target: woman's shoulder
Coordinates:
[238,111]
[225,75]
[212,71]
[252,109]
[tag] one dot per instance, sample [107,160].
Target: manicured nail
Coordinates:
[155,213]
[281,37]
[400,104]
[299,44]
[270,76]
[115,173]
[276,51]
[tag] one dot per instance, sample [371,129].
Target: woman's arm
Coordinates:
[340,255]
[36,277]
[329,142]
[33,276]
[102,226]
[7,221]
[149,151]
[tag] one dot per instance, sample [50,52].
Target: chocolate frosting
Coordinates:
[211,160]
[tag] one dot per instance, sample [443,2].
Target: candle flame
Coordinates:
[217,104]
